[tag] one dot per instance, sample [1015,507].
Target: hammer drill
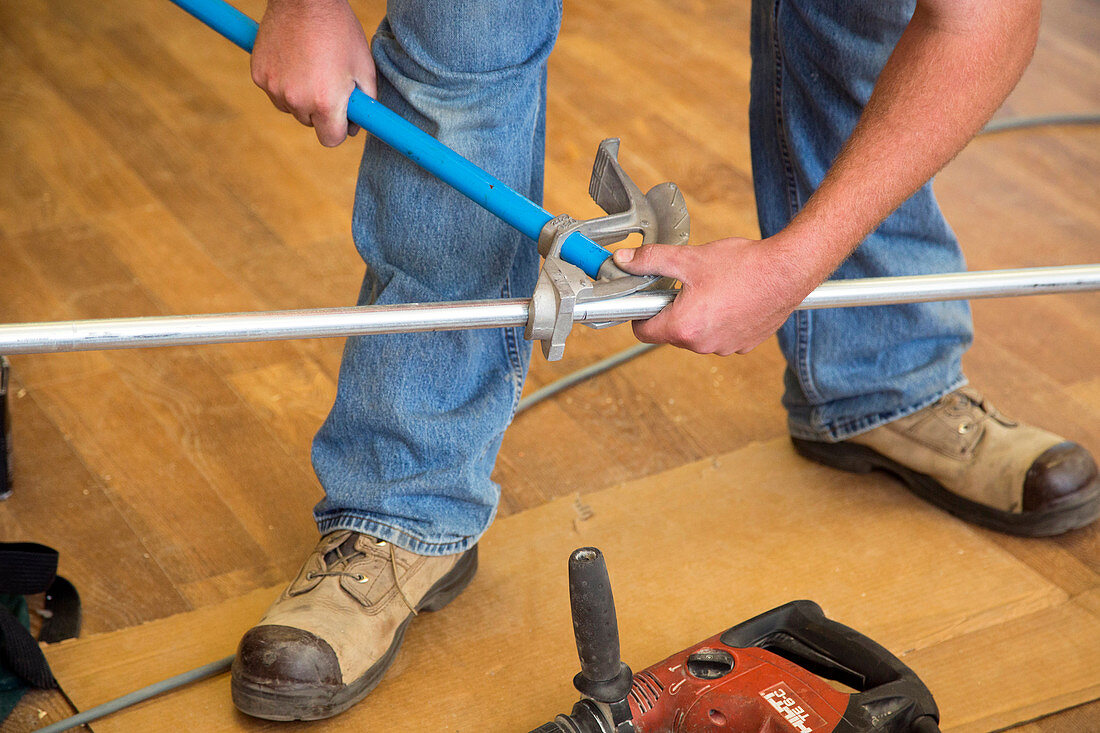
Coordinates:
[761,676]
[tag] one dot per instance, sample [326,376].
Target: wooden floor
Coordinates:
[141,173]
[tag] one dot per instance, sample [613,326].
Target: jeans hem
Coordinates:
[849,428]
[404,539]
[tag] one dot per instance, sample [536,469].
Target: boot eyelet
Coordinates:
[360,578]
[311,575]
[964,428]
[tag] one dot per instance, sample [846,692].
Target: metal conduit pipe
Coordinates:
[129,333]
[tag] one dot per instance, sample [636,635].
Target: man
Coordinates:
[406,453]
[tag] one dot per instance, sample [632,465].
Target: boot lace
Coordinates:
[345,553]
[971,409]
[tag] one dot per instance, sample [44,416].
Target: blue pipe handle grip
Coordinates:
[421,148]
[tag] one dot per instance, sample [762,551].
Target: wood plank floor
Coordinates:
[141,173]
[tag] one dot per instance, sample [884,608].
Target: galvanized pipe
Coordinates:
[954,286]
[132,333]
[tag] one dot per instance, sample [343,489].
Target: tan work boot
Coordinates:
[331,635]
[965,457]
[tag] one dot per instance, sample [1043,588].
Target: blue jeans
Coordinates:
[407,450]
[848,369]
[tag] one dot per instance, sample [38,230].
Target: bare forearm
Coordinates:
[952,68]
[954,65]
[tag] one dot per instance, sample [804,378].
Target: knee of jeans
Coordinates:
[465,40]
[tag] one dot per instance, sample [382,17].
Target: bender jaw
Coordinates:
[659,216]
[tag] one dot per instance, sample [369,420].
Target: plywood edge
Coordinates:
[1035,665]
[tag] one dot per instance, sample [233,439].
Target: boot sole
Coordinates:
[1078,511]
[311,703]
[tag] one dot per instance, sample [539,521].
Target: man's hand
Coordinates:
[309,56]
[737,292]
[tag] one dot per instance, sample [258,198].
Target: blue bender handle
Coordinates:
[421,148]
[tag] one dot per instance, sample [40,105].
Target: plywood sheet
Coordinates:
[691,552]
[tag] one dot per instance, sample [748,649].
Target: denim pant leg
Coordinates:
[407,450]
[815,63]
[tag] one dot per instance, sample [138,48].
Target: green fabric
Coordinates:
[11,687]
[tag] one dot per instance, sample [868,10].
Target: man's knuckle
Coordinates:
[293,98]
[322,99]
[685,335]
[694,330]
[701,345]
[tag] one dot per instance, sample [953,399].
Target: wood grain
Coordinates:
[141,173]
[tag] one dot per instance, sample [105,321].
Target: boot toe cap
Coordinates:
[1063,473]
[286,657]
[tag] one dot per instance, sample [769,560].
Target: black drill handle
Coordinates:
[603,675]
[594,622]
[800,632]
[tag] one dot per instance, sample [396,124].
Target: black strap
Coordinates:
[19,652]
[27,568]
[5,433]
[63,607]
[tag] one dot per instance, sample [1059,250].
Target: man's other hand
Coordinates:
[309,56]
[736,292]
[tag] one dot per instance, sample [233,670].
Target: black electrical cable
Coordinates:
[133,698]
[582,375]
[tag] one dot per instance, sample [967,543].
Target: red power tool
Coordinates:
[761,676]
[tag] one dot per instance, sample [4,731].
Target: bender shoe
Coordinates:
[964,456]
[331,635]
